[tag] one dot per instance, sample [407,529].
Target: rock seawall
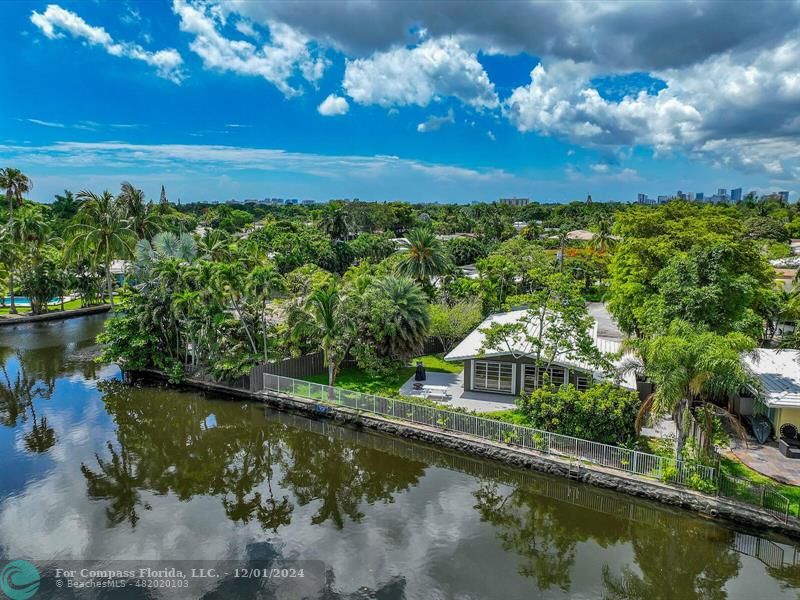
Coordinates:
[708,506]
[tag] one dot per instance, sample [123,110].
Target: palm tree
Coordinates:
[603,241]
[425,258]
[563,236]
[689,364]
[25,233]
[335,223]
[328,325]
[406,324]
[16,183]
[163,245]
[101,232]
[142,220]
[228,279]
[262,284]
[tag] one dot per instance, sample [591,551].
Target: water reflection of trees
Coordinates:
[17,395]
[168,442]
[675,558]
[694,561]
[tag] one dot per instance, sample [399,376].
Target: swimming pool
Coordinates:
[25,301]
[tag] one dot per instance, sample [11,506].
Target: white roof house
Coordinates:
[118,267]
[470,347]
[778,372]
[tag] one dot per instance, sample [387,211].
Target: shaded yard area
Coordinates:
[386,384]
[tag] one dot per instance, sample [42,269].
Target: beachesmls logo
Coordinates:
[19,580]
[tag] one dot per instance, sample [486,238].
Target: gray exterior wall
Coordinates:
[519,374]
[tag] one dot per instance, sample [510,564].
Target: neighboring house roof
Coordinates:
[469,271]
[779,374]
[580,234]
[471,346]
[118,267]
[793,262]
[783,273]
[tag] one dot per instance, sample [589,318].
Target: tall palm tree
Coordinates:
[26,232]
[689,364]
[335,223]
[101,232]
[406,324]
[16,184]
[228,279]
[603,240]
[328,325]
[143,220]
[425,258]
[262,284]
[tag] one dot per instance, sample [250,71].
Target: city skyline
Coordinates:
[400,101]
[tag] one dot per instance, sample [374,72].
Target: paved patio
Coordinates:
[477,401]
[767,460]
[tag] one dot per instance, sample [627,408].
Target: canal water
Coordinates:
[94,469]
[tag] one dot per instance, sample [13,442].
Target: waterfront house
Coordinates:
[777,391]
[513,370]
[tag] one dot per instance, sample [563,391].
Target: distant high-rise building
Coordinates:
[736,195]
[663,199]
[699,196]
[722,192]
[784,196]
[589,199]
[690,196]
[515,201]
[641,198]
[680,195]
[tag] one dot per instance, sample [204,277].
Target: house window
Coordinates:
[583,381]
[555,375]
[493,376]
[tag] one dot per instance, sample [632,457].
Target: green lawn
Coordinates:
[23,310]
[514,416]
[736,468]
[352,378]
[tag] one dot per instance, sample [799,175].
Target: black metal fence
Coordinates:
[306,365]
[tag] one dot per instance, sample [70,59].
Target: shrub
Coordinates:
[603,413]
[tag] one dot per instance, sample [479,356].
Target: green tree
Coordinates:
[425,257]
[16,184]
[101,232]
[604,413]
[334,222]
[142,219]
[690,364]
[398,318]
[451,324]
[554,326]
[603,240]
[65,206]
[262,285]
[329,326]
[229,281]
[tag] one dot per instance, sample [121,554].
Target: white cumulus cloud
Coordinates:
[55,20]
[333,105]
[434,69]
[287,55]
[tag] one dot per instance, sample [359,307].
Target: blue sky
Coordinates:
[385,100]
